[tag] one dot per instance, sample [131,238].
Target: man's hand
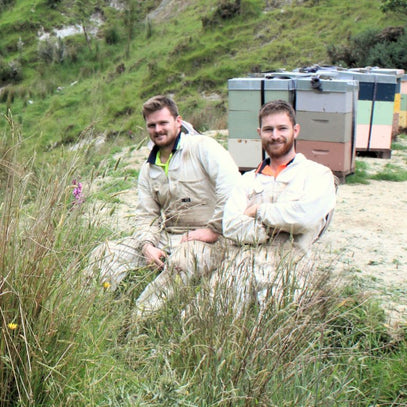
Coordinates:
[251,211]
[154,255]
[204,235]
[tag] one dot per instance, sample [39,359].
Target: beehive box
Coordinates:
[327,114]
[246,96]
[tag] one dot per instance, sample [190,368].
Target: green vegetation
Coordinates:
[388,171]
[67,342]
[373,47]
[391,173]
[360,176]
[56,89]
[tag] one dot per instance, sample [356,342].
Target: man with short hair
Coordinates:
[182,189]
[279,209]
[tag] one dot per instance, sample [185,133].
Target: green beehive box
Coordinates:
[250,93]
[243,124]
[403,102]
[246,96]
[364,111]
[377,113]
[383,113]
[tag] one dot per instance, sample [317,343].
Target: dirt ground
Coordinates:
[366,240]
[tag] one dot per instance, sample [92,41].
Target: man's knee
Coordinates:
[112,260]
[196,257]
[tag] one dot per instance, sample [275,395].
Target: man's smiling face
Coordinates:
[277,134]
[163,128]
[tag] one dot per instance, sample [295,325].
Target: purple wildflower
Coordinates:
[77,192]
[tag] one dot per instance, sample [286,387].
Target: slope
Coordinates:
[66,87]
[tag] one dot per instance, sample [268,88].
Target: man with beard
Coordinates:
[278,210]
[182,189]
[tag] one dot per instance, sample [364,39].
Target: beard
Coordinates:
[278,149]
[165,138]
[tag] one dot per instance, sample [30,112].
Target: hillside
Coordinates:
[121,53]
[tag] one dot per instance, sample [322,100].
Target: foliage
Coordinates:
[226,10]
[315,350]
[389,54]
[65,340]
[400,142]
[391,173]
[111,35]
[46,313]
[179,57]
[360,175]
[51,50]
[386,171]
[359,328]
[10,71]
[394,5]
[5,3]
[53,3]
[372,48]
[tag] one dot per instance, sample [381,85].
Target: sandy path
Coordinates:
[368,239]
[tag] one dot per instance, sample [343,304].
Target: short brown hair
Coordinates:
[277,106]
[160,102]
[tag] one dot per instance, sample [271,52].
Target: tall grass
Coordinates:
[316,348]
[67,343]
[47,316]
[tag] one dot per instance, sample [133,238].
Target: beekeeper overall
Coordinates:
[182,189]
[277,211]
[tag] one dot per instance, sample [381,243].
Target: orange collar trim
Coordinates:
[267,170]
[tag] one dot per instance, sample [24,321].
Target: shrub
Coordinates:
[225,11]
[51,50]
[389,53]
[372,47]
[6,3]
[111,35]
[53,3]
[10,71]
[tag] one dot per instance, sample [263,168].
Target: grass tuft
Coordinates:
[66,341]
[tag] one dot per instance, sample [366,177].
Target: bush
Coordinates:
[389,54]
[111,35]
[54,329]
[6,3]
[225,11]
[10,71]
[53,3]
[372,48]
[51,50]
